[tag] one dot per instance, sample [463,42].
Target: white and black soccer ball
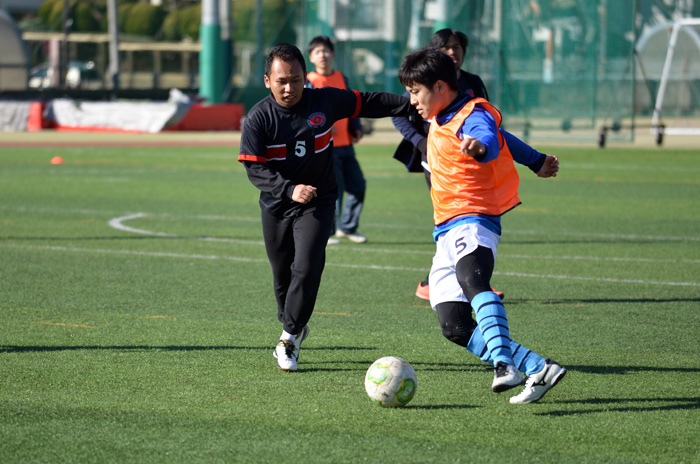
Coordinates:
[391,382]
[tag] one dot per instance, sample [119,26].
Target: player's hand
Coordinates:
[473,147]
[357,136]
[303,193]
[550,167]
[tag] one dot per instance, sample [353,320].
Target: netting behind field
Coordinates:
[556,68]
[564,67]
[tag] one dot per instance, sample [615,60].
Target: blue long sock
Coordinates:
[492,321]
[526,361]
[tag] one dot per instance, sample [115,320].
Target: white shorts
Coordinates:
[451,247]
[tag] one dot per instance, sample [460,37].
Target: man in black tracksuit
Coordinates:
[287,150]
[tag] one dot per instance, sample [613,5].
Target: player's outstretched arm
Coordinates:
[550,167]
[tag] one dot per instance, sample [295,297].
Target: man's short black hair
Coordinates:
[321,40]
[427,66]
[441,37]
[284,52]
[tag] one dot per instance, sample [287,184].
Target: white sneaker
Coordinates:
[333,241]
[505,377]
[539,384]
[286,358]
[354,237]
[297,342]
[301,336]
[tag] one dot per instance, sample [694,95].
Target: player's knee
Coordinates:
[474,272]
[456,322]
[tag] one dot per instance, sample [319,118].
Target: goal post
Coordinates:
[657,126]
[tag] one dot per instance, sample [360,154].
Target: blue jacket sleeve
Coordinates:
[523,153]
[481,125]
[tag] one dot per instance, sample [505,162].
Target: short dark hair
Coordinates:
[441,37]
[284,52]
[321,40]
[427,66]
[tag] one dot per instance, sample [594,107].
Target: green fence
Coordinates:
[556,68]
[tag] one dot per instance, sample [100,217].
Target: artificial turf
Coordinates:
[138,322]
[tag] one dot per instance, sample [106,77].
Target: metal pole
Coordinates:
[210,64]
[63,59]
[258,67]
[390,68]
[226,42]
[113,29]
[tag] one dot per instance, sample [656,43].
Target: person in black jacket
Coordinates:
[287,150]
[412,149]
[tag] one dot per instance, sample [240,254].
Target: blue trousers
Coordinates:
[351,186]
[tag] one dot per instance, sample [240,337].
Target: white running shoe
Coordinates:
[286,358]
[301,336]
[505,377]
[333,241]
[540,383]
[297,342]
[354,237]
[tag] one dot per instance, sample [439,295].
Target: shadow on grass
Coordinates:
[140,237]
[622,370]
[443,406]
[80,239]
[516,301]
[42,349]
[452,367]
[634,405]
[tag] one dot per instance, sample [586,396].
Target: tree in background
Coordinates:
[182,24]
[174,20]
[277,21]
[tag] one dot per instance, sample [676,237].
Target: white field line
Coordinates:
[330,264]
[627,168]
[658,238]
[427,228]
[118,223]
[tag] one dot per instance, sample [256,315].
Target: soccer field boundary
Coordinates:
[118,223]
[159,254]
[611,236]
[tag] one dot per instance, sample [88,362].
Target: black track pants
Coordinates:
[296,248]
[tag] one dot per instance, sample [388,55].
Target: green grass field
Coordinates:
[138,322]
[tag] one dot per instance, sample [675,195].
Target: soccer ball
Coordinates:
[391,382]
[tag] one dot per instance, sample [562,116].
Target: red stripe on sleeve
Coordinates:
[358,105]
[260,159]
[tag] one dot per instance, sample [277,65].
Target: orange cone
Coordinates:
[56,160]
